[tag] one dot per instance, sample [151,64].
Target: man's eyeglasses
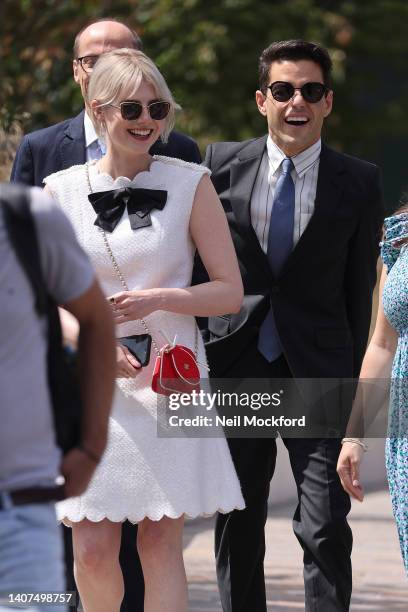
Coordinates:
[87,62]
[311,92]
[131,109]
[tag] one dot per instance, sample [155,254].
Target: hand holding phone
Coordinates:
[139,345]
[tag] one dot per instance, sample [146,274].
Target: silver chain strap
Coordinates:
[124,283]
[126,288]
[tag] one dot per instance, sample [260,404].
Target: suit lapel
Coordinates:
[244,170]
[330,186]
[73,143]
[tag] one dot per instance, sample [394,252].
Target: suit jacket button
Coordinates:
[275,289]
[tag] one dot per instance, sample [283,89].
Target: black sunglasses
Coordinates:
[311,92]
[131,109]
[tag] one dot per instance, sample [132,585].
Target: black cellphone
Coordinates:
[139,346]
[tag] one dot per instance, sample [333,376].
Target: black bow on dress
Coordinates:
[110,205]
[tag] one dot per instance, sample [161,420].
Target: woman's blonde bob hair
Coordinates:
[120,72]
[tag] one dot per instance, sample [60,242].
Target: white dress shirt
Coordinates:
[304,177]
[93,145]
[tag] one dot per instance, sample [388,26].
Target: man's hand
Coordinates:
[348,468]
[77,468]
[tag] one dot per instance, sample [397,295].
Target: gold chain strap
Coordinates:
[123,281]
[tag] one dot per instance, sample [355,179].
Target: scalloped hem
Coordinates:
[69,519]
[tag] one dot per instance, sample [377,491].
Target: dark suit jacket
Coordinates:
[63,145]
[322,299]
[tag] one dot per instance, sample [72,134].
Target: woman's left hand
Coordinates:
[133,305]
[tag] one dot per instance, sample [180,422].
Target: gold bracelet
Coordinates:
[356,441]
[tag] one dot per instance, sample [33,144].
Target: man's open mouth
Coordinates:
[296,120]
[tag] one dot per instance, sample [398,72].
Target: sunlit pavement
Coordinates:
[380,583]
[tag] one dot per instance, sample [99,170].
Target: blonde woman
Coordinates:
[144,263]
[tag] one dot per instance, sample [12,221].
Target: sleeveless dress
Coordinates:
[395,302]
[140,474]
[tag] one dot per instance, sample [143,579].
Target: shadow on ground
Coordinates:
[379,581]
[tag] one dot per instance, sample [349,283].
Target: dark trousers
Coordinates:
[319,522]
[133,600]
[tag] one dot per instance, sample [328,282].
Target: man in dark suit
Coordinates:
[305,221]
[71,142]
[74,140]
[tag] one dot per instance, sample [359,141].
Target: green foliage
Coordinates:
[208,51]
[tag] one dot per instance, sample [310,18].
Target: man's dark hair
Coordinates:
[294,50]
[137,41]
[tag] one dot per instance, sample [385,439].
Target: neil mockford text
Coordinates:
[212,401]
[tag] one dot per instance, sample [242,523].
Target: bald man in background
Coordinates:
[74,141]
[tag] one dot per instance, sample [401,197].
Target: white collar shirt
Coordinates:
[92,144]
[304,175]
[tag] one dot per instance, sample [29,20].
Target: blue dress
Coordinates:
[395,303]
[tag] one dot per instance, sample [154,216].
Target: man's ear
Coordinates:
[97,110]
[328,103]
[75,70]
[261,102]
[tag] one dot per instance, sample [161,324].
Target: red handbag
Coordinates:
[175,371]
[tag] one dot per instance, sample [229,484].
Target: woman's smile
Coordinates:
[141,134]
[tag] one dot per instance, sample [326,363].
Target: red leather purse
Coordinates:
[175,371]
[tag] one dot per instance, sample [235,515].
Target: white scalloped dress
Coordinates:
[140,474]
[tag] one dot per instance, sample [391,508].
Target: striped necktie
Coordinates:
[280,245]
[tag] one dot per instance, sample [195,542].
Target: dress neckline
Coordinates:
[124,180]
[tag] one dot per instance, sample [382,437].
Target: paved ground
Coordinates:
[380,584]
